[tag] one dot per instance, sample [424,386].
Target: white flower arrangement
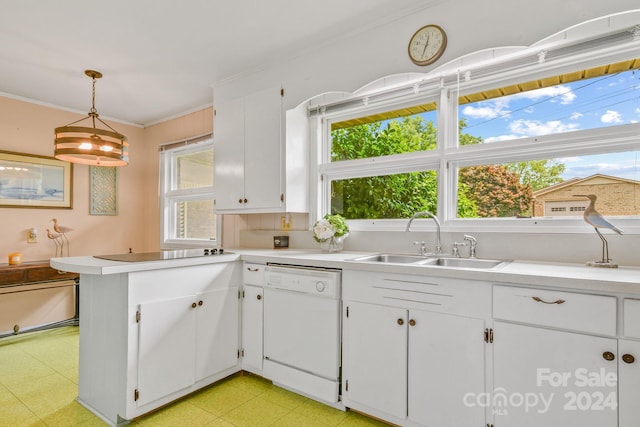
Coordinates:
[329,227]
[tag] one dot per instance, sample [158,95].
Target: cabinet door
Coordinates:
[228,145]
[252,329]
[263,166]
[551,378]
[446,363]
[629,382]
[375,359]
[217,332]
[166,353]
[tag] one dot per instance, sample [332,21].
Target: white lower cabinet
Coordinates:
[629,364]
[428,351]
[150,337]
[252,329]
[446,369]
[545,377]
[629,382]
[167,344]
[408,365]
[252,317]
[375,359]
[559,359]
[190,337]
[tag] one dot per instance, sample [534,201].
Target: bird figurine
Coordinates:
[595,219]
[62,230]
[55,237]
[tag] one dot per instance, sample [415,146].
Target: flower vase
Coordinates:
[333,244]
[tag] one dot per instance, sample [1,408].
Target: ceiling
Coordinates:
[161,58]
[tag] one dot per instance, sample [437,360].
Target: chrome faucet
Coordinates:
[455,249]
[433,217]
[473,242]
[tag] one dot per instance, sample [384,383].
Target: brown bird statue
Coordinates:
[595,219]
[56,240]
[62,230]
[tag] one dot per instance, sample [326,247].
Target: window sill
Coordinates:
[498,225]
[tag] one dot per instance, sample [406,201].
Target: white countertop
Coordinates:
[570,276]
[99,266]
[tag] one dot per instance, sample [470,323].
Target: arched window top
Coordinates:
[608,39]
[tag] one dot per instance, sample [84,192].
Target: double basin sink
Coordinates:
[443,261]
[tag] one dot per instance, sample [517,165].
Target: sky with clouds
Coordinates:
[588,104]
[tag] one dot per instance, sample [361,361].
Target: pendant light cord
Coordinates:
[93,113]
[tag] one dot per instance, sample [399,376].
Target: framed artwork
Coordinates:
[32,181]
[103,182]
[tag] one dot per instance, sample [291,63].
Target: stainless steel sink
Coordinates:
[391,258]
[464,262]
[428,261]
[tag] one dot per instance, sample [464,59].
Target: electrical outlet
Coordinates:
[285,223]
[32,235]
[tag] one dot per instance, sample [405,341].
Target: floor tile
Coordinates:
[182,413]
[319,412]
[71,414]
[13,412]
[256,413]
[58,392]
[71,374]
[219,423]
[354,419]
[283,397]
[23,369]
[222,398]
[251,383]
[296,419]
[38,388]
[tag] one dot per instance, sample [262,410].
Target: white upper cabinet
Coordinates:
[229,155]
[257,168]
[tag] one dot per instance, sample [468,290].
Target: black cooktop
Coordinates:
[163,255]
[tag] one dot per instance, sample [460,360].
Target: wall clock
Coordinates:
[427,45]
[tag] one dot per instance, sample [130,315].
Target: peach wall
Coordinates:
[184,127]
[28,128]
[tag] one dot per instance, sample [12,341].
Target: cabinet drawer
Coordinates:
[631,319]
[566,310]
[443,295]
[253,274]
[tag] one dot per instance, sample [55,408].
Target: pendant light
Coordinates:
[91,145]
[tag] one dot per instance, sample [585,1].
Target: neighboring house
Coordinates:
[616,197]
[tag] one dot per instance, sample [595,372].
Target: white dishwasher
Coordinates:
[302,330]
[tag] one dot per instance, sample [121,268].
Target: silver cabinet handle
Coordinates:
[538,299]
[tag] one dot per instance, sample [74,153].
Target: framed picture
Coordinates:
[32,181]
[103,182]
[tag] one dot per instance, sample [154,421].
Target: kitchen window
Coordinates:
[188,216]
[507,145]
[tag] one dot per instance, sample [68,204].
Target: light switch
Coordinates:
[32,235]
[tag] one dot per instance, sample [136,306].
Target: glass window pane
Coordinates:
[386,196]
[195,170]
[195,219]
[385,134]
[551,187]
[547,106]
